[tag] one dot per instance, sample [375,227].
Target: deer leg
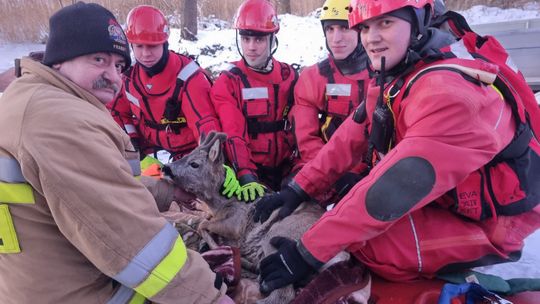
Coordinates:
[225,228]
[279,296]
[206,236]
[251,267]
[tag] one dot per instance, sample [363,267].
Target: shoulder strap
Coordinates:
[457,23]
[238,72]
[523,132]
[128,74]
[290,98]
[326,70]
[172,108]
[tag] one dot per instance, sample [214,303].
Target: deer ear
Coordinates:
[202,138]
[221,137]
[213,154]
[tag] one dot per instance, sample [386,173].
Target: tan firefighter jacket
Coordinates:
[75,225]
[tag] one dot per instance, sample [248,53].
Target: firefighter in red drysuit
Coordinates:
[327,92]
[166,103]
[455,179]
[252,100]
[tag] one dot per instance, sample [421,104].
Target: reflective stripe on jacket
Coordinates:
[13,186]
[89,223]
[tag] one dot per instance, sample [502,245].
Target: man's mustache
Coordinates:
[102,83]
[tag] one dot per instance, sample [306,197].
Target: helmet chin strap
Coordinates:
[267,66]
[327,47]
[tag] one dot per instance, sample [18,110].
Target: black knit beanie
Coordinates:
[82,29]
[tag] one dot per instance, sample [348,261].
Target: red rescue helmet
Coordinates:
[147,25]
[256,16]
[362,10]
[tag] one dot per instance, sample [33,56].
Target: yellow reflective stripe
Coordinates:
[137,299]
[178,120]
[497,90]
[165,271]
[8,237]
[20,193]
[325,126]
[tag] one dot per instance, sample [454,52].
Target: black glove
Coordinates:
[284,267]
[287,198]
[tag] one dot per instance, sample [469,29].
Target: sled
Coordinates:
[427,292]
[337,283]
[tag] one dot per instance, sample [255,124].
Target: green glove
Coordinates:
[231,186]
[148,161]
[251,191]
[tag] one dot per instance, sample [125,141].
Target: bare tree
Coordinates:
[283,6]
[189,20]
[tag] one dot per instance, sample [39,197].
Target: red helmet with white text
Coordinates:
[146,25]
[362,10]
[257,16]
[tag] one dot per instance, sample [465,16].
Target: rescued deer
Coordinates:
[201,172]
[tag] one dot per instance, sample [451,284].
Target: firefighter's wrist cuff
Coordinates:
[302,195]
[307,256]
[247,178]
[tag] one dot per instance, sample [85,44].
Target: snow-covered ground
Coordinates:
[301,41]
[300,38]
[10,51]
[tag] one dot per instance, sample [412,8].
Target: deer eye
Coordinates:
[194,165]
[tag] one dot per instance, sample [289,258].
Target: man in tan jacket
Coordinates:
[75,225]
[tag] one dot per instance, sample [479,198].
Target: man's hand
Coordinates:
[287,198]
[231,186]
[251,191]
[284,267]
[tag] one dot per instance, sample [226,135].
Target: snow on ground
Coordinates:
[301,41]
[484,14]
[300,38]
[526,267]
[10,51]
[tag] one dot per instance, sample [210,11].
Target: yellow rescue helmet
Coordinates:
[335,10]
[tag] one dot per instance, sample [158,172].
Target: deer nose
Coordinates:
[167,171]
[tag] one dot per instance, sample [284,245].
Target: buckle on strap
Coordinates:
[256,127]
[168,127]
[287,126]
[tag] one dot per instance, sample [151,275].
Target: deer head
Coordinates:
[201,172]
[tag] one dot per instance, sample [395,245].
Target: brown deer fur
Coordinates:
[201,172]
